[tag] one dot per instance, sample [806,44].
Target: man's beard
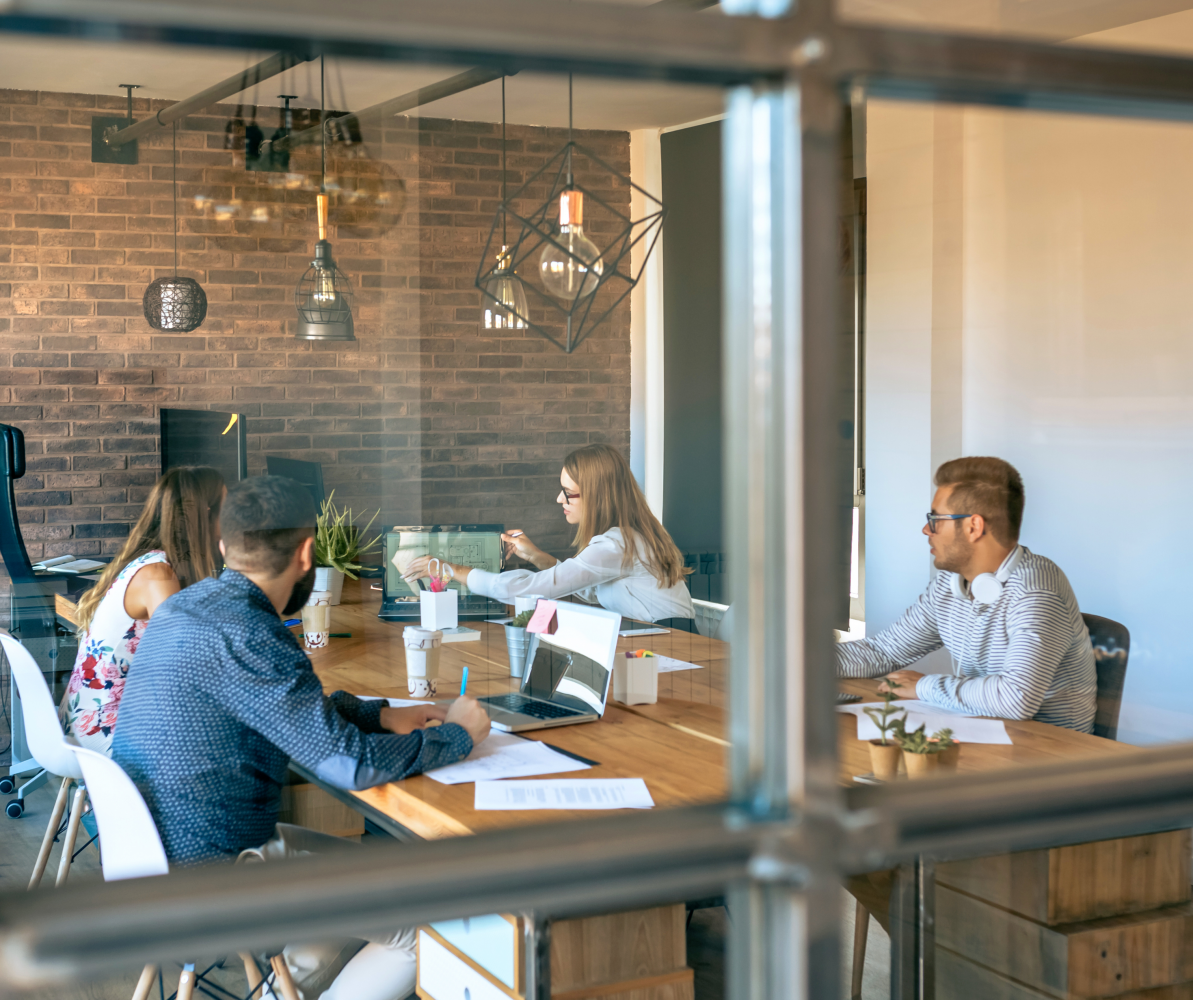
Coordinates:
[301,592]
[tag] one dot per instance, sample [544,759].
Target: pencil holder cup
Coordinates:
[422,660]
[635,680]
[439,611]
[521,646]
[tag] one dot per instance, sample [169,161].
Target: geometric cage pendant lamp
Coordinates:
[175,304]
[540,271]
[324,292]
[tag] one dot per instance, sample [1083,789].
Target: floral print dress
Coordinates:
[106,652]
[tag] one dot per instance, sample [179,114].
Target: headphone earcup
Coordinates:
[986,588]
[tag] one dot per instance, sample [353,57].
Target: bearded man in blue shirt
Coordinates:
[221,699]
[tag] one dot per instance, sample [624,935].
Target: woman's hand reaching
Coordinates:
[517,542]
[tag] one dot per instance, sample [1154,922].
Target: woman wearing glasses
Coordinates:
[625,560]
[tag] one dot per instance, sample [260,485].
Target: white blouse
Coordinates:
[595,575]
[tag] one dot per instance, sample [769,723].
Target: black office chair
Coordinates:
[1112,643]
[32,607]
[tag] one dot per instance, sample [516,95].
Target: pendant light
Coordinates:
[574,284]
[324,293]
[570,266]
[174,304]
[505,301]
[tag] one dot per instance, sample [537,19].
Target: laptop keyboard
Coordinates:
[529,706]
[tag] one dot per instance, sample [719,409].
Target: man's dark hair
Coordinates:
[264,520]
[986,486]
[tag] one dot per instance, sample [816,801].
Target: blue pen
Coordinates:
[464,683]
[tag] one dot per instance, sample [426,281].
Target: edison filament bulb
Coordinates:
[572,269]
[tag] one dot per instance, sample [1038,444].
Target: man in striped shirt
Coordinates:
[1007,616]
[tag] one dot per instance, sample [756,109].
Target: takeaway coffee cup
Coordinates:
[422,660]
[316,619]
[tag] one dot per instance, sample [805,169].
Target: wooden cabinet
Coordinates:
[632,955]
[1108,919]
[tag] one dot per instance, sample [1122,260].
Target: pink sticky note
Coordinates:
[543,620]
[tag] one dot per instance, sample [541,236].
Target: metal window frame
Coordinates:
[789,830]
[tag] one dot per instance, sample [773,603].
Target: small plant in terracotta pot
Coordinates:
[885,752]
[922,754]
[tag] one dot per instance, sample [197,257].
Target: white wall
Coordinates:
[1030,282]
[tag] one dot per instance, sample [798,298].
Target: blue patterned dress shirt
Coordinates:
[219,700]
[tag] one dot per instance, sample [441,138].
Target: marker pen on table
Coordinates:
[464,683]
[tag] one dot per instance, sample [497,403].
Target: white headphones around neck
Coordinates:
[987,588]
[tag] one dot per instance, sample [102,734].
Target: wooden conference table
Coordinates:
[679,747]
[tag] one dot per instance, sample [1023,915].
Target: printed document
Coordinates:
[564,793]
[504,755]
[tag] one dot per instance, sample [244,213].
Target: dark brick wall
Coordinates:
[427,416]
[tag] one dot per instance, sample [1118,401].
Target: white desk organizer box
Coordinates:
[635,680]
[439,611]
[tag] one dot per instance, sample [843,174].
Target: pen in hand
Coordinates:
[464,683]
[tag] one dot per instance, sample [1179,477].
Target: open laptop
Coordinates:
[476,545]
[568,679]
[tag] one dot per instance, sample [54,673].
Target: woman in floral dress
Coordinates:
[174,543]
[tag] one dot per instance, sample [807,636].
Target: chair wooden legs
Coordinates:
[72,834]
[47,843]
[861,933]
[186,982]
[283,982]
[145,983]
[252,973]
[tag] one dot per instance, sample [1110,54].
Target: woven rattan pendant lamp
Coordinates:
[175,304]
[324,293]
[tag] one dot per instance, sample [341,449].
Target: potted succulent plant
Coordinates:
[885,752]
[923,754]
[338,547]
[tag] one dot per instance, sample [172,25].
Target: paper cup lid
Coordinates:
[421,638]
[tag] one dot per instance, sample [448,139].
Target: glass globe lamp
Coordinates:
[573,269]
[505,299]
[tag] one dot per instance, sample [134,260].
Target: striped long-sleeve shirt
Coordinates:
[1026,656]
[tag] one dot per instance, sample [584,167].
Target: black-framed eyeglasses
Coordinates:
[933,518]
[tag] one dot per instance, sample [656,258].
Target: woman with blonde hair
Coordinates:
[625,560]
[174,543]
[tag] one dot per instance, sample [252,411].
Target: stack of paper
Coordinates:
[504,755]
[966,728]
[667,664]
[69,564]
[564,793]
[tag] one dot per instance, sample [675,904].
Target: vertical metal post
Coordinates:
[536,956]
[781,284]
[913,932]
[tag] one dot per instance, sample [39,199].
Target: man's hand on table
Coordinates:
[906,681]
[466,712]
[407,720]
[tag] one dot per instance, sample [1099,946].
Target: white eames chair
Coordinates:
[130,847]
[51,751]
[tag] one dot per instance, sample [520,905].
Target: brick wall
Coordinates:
[427,416]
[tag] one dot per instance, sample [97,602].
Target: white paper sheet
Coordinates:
[667,664]
[966,728]
[564,793]
[504,755]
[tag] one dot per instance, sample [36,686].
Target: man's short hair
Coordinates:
[986,486]
[264,520]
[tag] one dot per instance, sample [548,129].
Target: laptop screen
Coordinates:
[567,678]
[478,549]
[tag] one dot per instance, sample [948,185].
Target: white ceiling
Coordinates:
[93,67]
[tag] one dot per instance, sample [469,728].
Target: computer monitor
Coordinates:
[205,437]
[475,545]
[310,474]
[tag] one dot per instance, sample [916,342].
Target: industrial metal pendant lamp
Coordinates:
[577,285]
[324,293]
[504,300]
[175,304]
